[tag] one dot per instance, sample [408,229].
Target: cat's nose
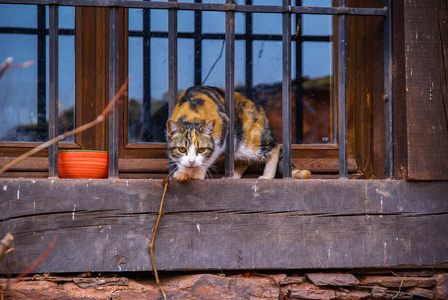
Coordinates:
[191,162]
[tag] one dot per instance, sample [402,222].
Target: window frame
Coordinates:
[230,8]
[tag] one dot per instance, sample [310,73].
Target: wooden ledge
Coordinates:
[101,225]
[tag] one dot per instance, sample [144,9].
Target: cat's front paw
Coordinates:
[181,176]
[265,177]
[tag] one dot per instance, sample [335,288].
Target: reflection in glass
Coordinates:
[258,68]
[24,92]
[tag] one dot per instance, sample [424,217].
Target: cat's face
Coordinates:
[192,145]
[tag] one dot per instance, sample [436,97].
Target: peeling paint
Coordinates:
[381,207]
[255,188]
[384,193]
[73,213]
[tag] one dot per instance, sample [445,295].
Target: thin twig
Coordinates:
[299,24]
[37,262]
[7,64]
[101,118]
[401,285]
[165,184]
[5,244]
[281,292]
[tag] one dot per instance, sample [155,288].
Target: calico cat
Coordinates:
[197,130]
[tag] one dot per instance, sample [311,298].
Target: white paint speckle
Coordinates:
[73,213]
[18,195]
[5,187]
[198,226]
[385,251]
[381,207]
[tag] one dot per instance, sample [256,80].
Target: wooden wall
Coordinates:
[101,225]
[421,89]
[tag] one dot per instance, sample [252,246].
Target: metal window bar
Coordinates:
[209,7]
[41,74]
[172,58]
[113,89]
[286,88]
[342,93]
[53,84]
[298,88]
[147,92]
[230,8]
[388,113]
[230,88]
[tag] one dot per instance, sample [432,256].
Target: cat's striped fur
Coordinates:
[196,135]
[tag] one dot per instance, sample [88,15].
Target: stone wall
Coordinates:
[419,284]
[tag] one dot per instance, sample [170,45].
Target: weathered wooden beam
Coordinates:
[224,224]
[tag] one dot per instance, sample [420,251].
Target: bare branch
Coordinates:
[101,118]
[37,262]
[5,244]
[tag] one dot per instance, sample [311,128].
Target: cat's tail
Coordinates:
[296,173]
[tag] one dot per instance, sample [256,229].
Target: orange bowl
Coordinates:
[83,164]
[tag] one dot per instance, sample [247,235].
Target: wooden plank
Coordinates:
[399,92]
[426,40]
[320,165]
[92,73]
[225,224]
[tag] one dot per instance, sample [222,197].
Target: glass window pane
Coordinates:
[213,22]
[18,89]
[67,84]
[24,92]
[267,24]
[135,19]
[317,59]
[185,64]
[320,25]
[240,23]
[159,20]
[185,21]
[13,15]
[258,66]
[135,90]
[213,63]
[315,104]
[267,82]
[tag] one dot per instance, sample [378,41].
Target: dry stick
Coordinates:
[38,261]
[99,119]
[281,292]
[7,64]
[5,244]
[165,183]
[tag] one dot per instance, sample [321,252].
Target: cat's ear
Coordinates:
[172,127]
[208,128]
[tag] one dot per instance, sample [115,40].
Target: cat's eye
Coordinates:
[182,149]
[201,150]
